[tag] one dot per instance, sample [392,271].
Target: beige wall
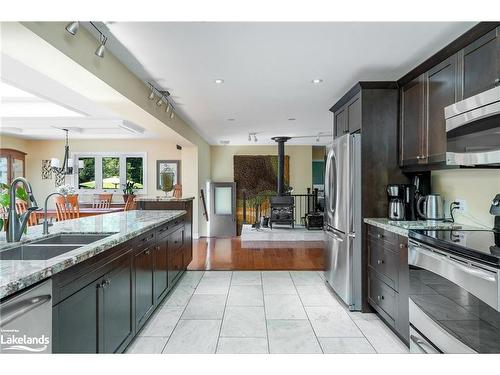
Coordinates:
[300,163]
[13,142]
[477,186]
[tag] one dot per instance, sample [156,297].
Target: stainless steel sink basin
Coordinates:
[36,252]
[51,247]
[72,239]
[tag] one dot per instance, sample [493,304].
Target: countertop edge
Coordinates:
[391,228]
[45,273]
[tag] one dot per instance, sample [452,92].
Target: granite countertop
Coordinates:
[403,227]
[159,198]
[16,275]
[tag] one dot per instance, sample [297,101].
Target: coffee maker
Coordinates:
[395,192]
[401,202]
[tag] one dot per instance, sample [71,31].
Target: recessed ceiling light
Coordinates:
[292,119]
[224,142]
[230,119]
[218,81]
[317,81]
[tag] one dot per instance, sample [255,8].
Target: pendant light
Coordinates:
[65,168]
[72,27]
[100,50]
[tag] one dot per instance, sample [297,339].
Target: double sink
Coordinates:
[51,247]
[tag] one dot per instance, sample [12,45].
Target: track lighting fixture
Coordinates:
[255,137]
[152,94]
[100,50]
[72,27]
[249,137]
[172,115]
[160,101]
[102,39]
[168,108]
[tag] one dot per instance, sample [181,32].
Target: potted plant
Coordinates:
[128,190]
[5,202]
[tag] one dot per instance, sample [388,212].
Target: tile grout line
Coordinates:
[184,309]
[307,315]
[265,315]
[224,313]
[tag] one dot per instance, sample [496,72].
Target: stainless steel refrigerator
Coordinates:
[343,219]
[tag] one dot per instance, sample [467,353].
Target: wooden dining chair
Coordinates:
[177,191]
[130,204]
[67,209]
[102,201]
[22,207]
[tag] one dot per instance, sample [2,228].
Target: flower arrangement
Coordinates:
[66,190]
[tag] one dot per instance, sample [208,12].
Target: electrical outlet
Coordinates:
[462,205]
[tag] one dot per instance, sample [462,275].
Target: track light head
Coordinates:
[159,102]
[168,108]
[172,115]
[72,27]
[100,50]
[152,94]
[249,137]
[255,137]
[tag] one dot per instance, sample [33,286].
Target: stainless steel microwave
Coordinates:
[473,130]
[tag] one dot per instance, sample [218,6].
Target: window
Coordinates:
[109,171]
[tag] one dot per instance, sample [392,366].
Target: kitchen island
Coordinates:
[103,292]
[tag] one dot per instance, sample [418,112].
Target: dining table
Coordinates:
[84,212]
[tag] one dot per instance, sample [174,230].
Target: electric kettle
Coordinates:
[432,207]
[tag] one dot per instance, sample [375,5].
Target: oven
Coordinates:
[453,298]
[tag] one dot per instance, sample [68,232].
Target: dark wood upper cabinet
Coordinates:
[340,126]
[441,91]
[412,122]
[481,64]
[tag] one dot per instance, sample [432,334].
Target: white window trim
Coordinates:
[98,170]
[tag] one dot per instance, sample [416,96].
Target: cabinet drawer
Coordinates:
[381,235]
[385,262]
[382,298]
[146,239]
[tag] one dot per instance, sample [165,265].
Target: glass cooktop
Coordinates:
[483,245]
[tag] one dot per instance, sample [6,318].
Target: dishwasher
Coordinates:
[26,321]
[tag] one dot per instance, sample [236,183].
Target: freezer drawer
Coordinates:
[339,264]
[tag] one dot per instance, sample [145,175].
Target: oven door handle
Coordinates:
[422,345]
[472,270]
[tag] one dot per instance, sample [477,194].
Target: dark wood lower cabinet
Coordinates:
[388,278]
[99,305]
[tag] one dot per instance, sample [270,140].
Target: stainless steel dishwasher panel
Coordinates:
[26,321]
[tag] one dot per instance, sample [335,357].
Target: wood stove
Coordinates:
[281,210]
[282,206]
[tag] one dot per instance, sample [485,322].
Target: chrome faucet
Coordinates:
[46,224]
[17,223]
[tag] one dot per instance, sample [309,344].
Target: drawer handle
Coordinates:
[380,261]
[380,298]
[380,236]
[402,245]
[147,252]
[497,81]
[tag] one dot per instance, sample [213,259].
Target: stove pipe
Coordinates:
[281,163]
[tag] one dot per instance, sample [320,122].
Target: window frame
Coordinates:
[98,170]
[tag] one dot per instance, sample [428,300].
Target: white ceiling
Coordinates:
[33,106]
[267,68]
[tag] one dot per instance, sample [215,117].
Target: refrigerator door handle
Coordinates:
[334,234]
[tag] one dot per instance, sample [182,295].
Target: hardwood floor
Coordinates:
[230,254]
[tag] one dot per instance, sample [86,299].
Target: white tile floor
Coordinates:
[260,312]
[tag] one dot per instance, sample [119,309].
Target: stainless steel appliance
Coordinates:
[26,321]
[473,130]
[454,293]
[343,219]
[432,207]
[396,194]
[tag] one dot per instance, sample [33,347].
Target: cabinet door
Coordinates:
[354,114]
[441,92]
[144,272]
[175,255]
[76,321]
[412,122]
[161,268]
[481,64]
[117,320]
[340,123]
